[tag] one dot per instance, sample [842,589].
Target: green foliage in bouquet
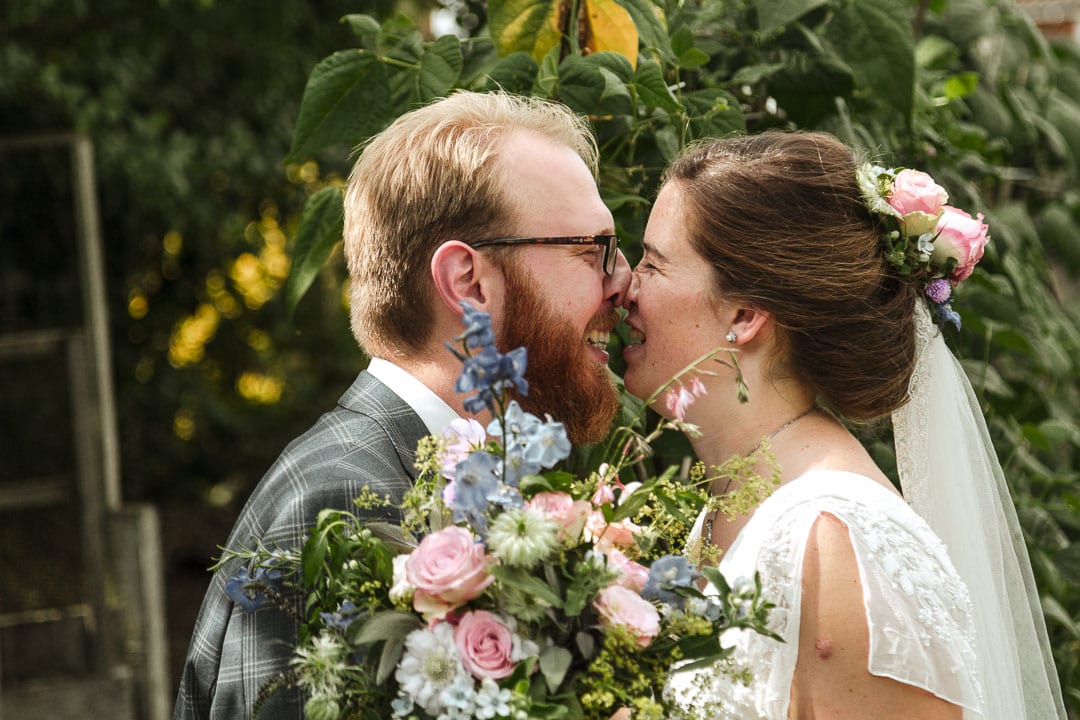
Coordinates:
[511,588]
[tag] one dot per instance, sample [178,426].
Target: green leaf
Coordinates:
[524,25]
[960,85]
[875,40]
[700,646]
[521,580]
[547,77]
[652,89]
[515,73]
[693,58]
[388,660]
[590,88]
[651,27]
[362,25]
[753,74]
[388,625]
[713,112]
[631,505]
[345,101]
[554,663]
[440,68]
[775,14]
[319,231]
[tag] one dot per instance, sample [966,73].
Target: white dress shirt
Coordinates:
[431,408]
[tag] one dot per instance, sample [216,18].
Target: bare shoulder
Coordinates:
[831,676]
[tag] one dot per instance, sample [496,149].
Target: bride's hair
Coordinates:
[780,218]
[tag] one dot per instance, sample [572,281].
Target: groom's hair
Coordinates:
[781,219]
[435,175]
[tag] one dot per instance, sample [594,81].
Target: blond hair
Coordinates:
[432,176]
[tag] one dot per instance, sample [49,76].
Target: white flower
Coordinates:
[320,665]
[491,701]
[401,590]
[430,665]
[522,538]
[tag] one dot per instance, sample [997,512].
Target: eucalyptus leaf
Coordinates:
[554,664]
[389,658]
[319,231]
[388,625]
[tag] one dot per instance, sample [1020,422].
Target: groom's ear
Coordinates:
[461,273]
[749,324]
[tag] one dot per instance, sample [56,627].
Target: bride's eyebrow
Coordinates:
[654,254]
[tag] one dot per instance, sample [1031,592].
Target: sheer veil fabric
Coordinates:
[950,475]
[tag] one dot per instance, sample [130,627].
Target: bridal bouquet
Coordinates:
[511,589]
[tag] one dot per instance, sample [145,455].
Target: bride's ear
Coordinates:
[749,323]
[459,273]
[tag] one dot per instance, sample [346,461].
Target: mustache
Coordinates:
[603,320]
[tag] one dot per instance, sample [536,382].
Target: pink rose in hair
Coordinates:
[621,607]
[918,200]
[962,237]
[448,569]
[560,508]
[486,645]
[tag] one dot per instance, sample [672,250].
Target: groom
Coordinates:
[484,198]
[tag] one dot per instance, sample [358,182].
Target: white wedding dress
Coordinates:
[918,610]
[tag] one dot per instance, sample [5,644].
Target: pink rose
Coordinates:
[560,508]
[962,237]
[486,645]
[634,575]
[609,535]
[918,200]
[621,607]
[447,569]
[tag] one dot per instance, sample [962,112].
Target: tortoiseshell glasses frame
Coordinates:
[610,243]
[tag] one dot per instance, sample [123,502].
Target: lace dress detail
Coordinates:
[918,611]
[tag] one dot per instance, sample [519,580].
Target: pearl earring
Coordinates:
[731,337]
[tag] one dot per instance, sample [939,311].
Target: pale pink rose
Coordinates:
[486,645]
[918,200]
[560,508]
[618,606]
[447,569]
[607,535]
[461,437]
[401,589]
[962,237]
[634,575]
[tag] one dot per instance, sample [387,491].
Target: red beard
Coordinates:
[564,379]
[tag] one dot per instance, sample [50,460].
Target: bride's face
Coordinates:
[674,315]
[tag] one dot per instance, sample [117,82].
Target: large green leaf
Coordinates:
[875,40]
[525,25]
[440,68]
[713,112]
[320,229]
[653,89]
[588,86]
[651,27]
[775,14]
[514,73]
[344,101]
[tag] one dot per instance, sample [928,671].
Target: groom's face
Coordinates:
[560,304]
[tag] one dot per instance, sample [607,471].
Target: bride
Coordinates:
[823,277]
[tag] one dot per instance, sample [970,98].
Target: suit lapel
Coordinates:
[370,396]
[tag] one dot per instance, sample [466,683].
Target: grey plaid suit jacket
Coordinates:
[369,439]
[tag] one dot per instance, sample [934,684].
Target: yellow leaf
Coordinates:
[529,25]
[610,28]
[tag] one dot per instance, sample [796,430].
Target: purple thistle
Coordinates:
[939,290]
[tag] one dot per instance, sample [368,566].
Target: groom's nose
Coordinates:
[616,284]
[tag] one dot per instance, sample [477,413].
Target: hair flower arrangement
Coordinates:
[936,244]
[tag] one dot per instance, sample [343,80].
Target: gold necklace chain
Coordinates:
[710,519]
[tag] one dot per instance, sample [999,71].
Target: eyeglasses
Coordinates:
[610,243]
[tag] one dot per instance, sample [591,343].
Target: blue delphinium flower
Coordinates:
[947,314]
[343,618]
[476,479]
[247,591]
[666,574]
[478,332]
[512,370]
[547,443]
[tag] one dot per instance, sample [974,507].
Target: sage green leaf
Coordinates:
[653,89]
[388,625]
[514,73]
[362,25]
[344,102]
[713,112]
[440,68]
[531,26]
[319,231]
[775,14]
[388,660]
[875,40]
[554,663]
[520,579]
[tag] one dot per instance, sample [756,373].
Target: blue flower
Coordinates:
[512,370]
[547,443]
[667,573]
[247,591]
[947,314]
[343,618]
[518,464]
[475,480]
[478,332]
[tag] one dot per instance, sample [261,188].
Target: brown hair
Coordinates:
[433,176]
[780,218]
